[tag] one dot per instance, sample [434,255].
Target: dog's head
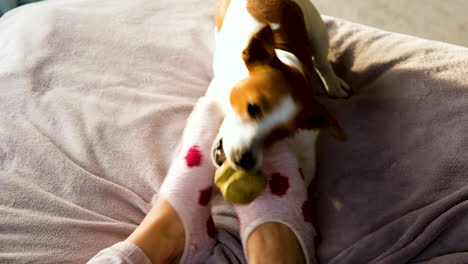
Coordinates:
[273,102]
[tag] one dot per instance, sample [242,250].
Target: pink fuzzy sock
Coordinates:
[284,201]
[189,182]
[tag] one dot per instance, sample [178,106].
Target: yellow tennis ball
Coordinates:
[239,187]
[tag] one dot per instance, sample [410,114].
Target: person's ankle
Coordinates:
[161,235]
[171,230]
[274,243]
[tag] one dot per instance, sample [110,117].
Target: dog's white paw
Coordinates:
[336,87]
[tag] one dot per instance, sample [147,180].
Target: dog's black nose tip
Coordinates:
[246,161]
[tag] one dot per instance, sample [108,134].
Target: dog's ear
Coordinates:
[318,117]
[261,49]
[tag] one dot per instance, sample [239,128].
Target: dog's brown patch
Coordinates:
[264,88]
[292,34]
[269,81]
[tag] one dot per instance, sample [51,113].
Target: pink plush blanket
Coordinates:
[94,96]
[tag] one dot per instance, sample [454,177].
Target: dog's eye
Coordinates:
[254,110]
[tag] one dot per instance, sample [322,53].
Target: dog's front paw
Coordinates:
[337,88]
[334,86]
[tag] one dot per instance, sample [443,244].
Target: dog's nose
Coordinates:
[246,161]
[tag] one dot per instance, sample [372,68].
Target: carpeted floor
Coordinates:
[431,19]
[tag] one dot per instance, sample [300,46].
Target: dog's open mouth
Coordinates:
[218,153]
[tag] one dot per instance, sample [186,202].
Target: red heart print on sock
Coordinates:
[279,184]
[205,196]
[193,157]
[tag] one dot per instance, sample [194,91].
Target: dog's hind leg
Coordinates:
[319,46]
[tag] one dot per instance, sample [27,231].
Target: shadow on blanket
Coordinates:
[397,191]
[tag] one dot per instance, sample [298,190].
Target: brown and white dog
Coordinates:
[270,61]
